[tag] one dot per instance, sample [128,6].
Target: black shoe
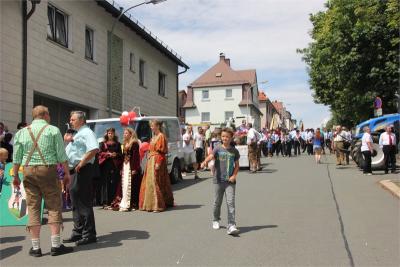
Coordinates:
[35,252]
[60,250]
[72,239]
[85,241]
[196,177]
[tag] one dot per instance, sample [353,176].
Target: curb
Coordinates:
[388,185]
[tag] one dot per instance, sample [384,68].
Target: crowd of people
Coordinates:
[132,174]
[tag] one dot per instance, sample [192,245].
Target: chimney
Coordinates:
[221,56]
[228,62]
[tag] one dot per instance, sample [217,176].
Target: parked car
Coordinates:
[377,126]
[141,125]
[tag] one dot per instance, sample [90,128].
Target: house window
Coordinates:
[204,94]
[142,66]
[205,116]
[161,84]
[132,62]
[89,43]
[57,27]
[228,115]
[228,93]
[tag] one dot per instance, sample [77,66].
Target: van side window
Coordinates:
[173,129]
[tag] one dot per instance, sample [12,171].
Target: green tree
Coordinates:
[354,57]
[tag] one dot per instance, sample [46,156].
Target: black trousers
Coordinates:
[367,162]
[390,157]
[82,203]
[289,148]
[297,148]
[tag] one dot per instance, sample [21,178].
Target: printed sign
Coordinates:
[13,207]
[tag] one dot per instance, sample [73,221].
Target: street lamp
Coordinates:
[109,80]
[247,102]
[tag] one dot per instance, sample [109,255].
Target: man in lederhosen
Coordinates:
[39,147]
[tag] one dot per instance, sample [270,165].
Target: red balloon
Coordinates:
[124,120]
[132,115]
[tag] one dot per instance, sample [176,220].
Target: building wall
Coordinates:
[217,104]
[64,73]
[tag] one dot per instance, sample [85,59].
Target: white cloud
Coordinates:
[254,34]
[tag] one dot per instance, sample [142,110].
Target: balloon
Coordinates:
[132,115]
[125,113]
[124,120]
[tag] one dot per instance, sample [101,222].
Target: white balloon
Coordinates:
[125,113]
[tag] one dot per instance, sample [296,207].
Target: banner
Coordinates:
[13,207]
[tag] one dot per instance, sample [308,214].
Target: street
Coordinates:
[293,213]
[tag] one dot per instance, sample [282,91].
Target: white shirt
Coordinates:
[187,148]
[366,138]
[384,139]
[338,137]
[252,136]
[199,140]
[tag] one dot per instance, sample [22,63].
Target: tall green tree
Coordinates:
[354,57]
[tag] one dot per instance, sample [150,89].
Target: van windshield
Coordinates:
[142,129]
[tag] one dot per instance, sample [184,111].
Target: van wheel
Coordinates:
[175,174]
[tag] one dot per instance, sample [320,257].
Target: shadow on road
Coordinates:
[10,239]
[114,239]
[185,207]
[245,229]
[188,182]
[7,252]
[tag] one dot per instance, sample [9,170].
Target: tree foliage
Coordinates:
[354,57]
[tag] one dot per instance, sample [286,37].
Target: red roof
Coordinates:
[222,74]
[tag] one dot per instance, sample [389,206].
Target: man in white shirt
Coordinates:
[252,139]
[387,141]
[199,139]
[366,150]
[188,150]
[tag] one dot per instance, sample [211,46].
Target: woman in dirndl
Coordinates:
[127,197]
[155,191]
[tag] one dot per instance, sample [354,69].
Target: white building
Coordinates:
[222,93]
[67,62]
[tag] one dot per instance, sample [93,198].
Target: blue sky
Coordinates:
[254,34]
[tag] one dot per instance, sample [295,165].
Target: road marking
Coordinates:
[179,261]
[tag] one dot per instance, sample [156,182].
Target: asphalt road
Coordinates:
[293,213]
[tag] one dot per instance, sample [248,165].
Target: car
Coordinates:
[377,126]
[141,125]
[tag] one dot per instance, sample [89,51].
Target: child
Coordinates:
[226,169]
[3,159]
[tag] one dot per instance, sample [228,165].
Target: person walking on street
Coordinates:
[317,142]
[81,151]
[252,140]
[366,150]
[227,167]
[338,146]
[387,141]
[189,154]
[39,148]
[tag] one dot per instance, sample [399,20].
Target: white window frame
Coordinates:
[162,78]
[91,31]
[230,113]
[202,94]
[203,119]
[226,93]
[52,33]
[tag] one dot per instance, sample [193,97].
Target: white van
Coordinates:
[141,125]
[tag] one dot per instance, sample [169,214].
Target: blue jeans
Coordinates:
[229,190]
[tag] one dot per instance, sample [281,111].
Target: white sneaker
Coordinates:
[232,230]
[215,225]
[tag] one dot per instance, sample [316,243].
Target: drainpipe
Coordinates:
[25,18]
[177,90]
